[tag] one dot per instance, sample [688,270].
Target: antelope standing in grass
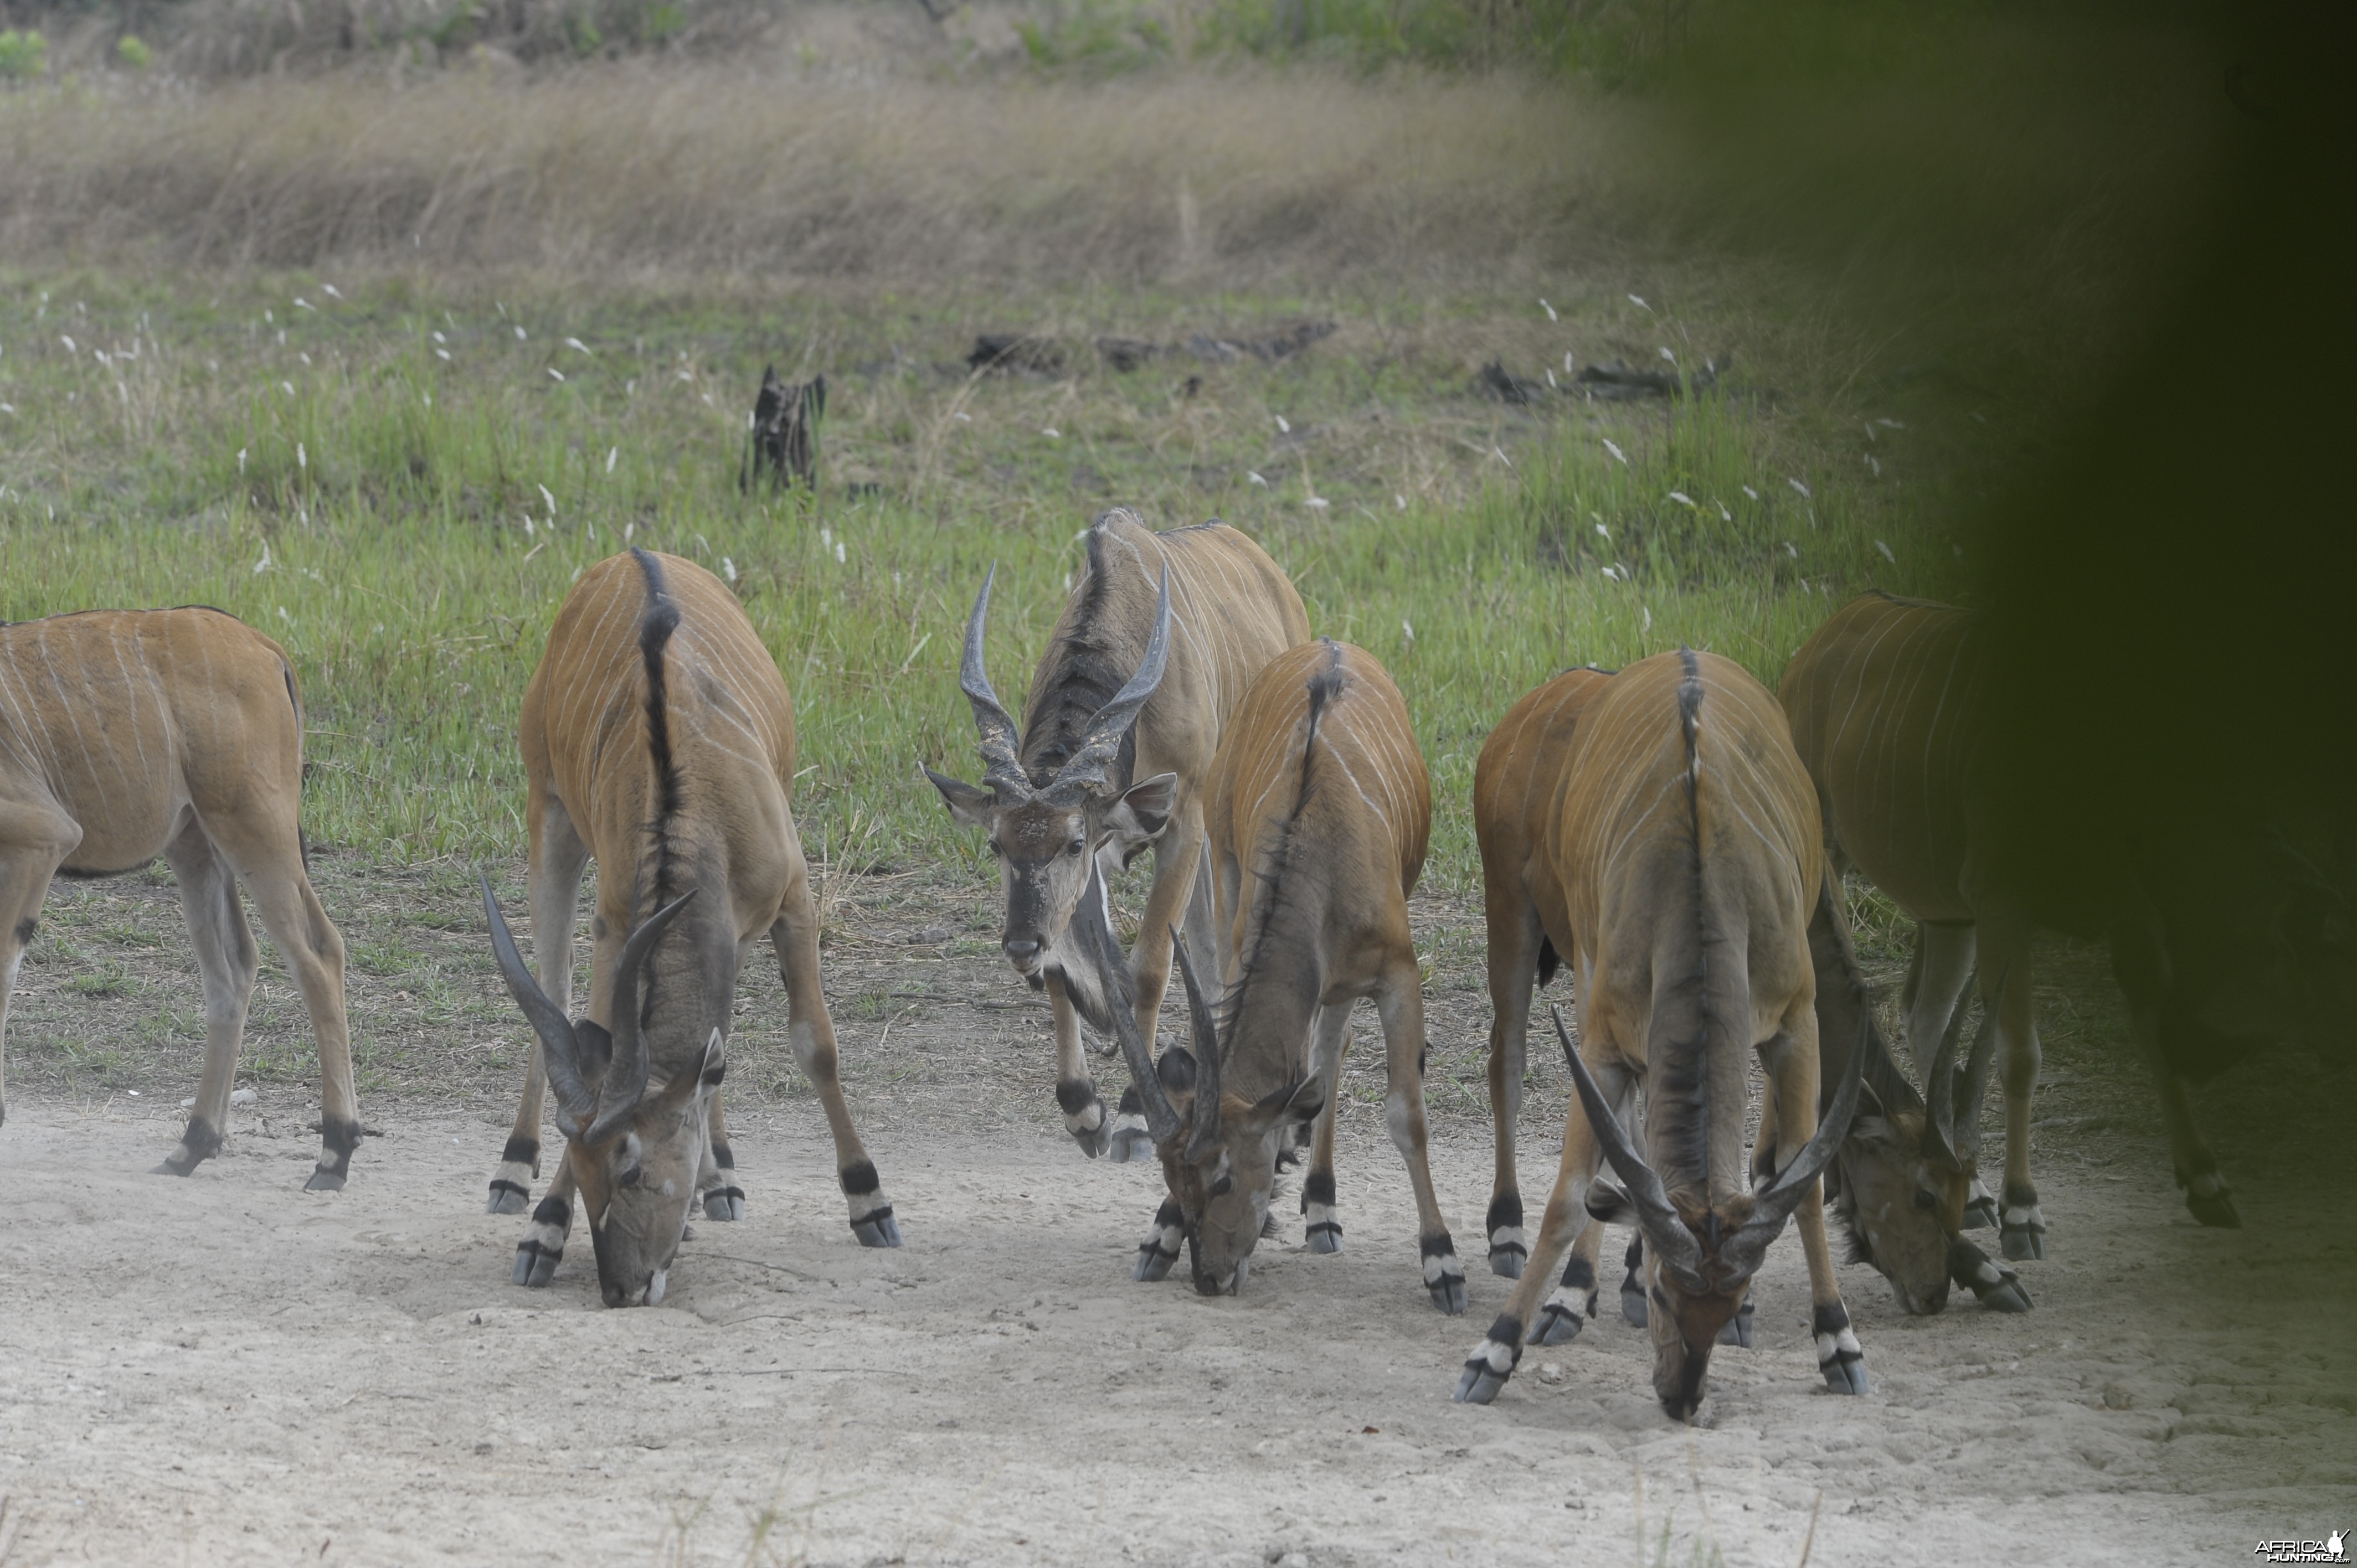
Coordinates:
[129,734]
[658,738]
[1887,704]
[1112,757]
[1319,810]
[1897,1183]
[1690,858]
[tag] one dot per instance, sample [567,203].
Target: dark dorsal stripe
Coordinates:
[1323,687]
[1682,1074]
[655,629]
[1089,670]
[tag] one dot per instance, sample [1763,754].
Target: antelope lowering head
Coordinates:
[634,1152]
[1705,1259]
[1050,832]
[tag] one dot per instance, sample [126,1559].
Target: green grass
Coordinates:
[406,525]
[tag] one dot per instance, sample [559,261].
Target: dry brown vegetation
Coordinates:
[1233,177]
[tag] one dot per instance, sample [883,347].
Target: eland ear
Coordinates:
[597,1049]
[1307,1102]
[1610,1205]
[716,1062]
[1142,810]
[1176,1070]
[969,804]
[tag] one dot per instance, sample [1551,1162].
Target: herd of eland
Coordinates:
[1668,835]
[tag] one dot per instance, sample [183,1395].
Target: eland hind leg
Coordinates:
[227,961]
[811,1031]
[1516,946]
[723,1197]
[2004,980]
[1790,1059]
[1937,978]
[2140,964]
[1400,1003]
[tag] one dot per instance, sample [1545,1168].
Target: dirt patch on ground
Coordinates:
[227,1368]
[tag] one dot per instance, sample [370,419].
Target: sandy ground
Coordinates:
[229,1369]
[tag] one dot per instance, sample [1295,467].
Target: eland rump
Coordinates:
[1690,859]
[129,734]
[658,738]
[1319,810]
[1898,1181]
[1155,646]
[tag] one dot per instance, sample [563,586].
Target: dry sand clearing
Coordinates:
[227,1370]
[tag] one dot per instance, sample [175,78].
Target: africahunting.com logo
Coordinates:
[2331,1548]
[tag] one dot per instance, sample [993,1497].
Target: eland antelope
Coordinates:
[1888,704]
[1690,858]
[1155,646]
[1319,810]
[1897,1184]
[658,738]
[129,734]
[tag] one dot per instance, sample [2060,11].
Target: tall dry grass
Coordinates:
[1234,178]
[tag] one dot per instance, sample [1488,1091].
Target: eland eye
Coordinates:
[629,1178]
[1925,1200]
[1224,1185]
[1076,846]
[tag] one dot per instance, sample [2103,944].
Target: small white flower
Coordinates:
[286,387]
[442,355]
[529,530]
[240,469]
[1648,618]
[429,399]
[1052,434]
[1500,453]
[687,375]
[438,337]
[1724,515]
[1283,428]
[284,617]
[69,343]
[1566,362]
[1551,381]
[577,343]
[1889,424]
[548,498]
[302,458]
[7,408]
[611,453]
[1887,555]
[707,398]
[838,552]
[1255,478]
[263,564]
[1752,493]
[628,529]
[1406,630]
[1616,453]
[1870,431]
[728,568]
[1667,355]
[1639,302]
[1315,503]
[1873,464]
[302,304]
[330,290]
[1548,308]
[1400,502]
[1602,531]
[519,332]
[1796,554]
[1798,486]
[962,418]
[554,374]
[825,537]
[1684,500]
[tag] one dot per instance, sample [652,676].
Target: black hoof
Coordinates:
[1492,1363]
[2025,1242]
[877,1229]
[1633,1303]
[1444,1276]
[1094,1141]
[507,1198]
[325,1181]
[723,1203]
[1507,1261]
[1737,1330]
[1839,1357]
[1132,1146]
[169,1169]
[1324,1236]
[1980,1214]
[1559,1324]
[2005,1296]
[1848,1376]
[2214,1208]
[534,1265]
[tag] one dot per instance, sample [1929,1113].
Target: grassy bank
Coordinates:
[400,486]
